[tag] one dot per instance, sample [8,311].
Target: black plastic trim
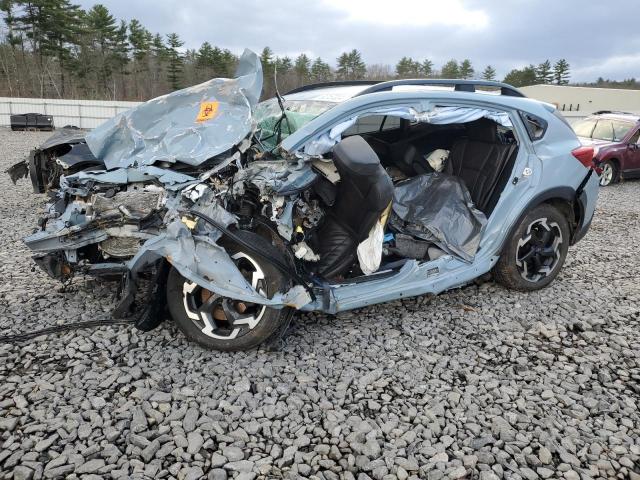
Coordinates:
[562,193]
[459,85]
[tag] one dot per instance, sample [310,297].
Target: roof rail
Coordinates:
[345,83]
[458,85]
[600,112]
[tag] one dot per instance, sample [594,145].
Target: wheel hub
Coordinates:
[224,318]
[538,251]
[606,177]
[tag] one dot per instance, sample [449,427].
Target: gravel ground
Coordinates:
[480,382]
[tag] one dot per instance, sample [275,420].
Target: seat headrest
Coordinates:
[356,155]
[482,130]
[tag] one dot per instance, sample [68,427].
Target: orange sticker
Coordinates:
[208,110]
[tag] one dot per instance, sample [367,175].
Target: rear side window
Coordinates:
[620,129]
[372,124]
[584,128]
[603,130]
[536,126]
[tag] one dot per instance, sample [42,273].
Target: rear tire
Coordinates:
[609,173]
[534,255]
[202,316]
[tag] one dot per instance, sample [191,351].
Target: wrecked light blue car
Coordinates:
[231,214]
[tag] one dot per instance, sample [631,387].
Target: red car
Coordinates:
[616,139]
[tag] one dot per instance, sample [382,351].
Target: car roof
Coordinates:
[340,91]
[432,96]
[496,93]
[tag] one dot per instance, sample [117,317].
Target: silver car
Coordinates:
[230,213]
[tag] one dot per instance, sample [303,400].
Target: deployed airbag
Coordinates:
[438,208]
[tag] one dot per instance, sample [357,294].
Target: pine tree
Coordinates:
[302,67]
[521,77]
[426,68]
[561,72]
[544,72]
[320,71]
[266,58]
[139,39]
[102,30]
[284,65]
[342,71]
[466,69]
[205,56]
[407,67]
[157,61]
[62,28]
[450,69]
[358,67]
[351,66]
[9,19]
[175,61]
[489,73]
[158,48]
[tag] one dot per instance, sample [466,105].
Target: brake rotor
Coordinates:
[218,312]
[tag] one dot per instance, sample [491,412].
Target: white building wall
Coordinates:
[580,102]
[81,113]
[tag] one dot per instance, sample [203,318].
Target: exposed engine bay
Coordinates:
[137,197]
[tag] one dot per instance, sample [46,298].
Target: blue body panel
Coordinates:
[542,168]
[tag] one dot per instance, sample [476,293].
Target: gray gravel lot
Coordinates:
[480,382]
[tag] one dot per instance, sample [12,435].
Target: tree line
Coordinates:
[53,48]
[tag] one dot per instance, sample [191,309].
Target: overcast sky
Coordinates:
[598,38]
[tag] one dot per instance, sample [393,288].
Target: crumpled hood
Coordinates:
[189,125]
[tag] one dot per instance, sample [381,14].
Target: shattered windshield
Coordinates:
[299,112]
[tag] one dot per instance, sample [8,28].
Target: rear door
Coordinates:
[633,153]
[603,130]
[584,128]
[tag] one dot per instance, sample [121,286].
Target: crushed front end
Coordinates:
[157,187]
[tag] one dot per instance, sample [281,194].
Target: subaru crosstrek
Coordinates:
[230,213]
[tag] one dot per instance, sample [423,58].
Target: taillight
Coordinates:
[585,155]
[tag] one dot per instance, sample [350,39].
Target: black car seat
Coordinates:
[363,193]
[482,161]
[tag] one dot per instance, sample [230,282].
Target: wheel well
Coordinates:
[614,160]
[617,174]
[569,209]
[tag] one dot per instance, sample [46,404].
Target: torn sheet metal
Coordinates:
[279,177]
[77,157]
[189,126]
[437,207]
[123,176]
[199,259]
[65,135]
[437,116]
[18,171]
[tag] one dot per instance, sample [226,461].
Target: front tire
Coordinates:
[609,173]
[220,323]
[533,257]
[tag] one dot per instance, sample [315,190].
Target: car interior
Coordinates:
[482,152]
[378,152]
